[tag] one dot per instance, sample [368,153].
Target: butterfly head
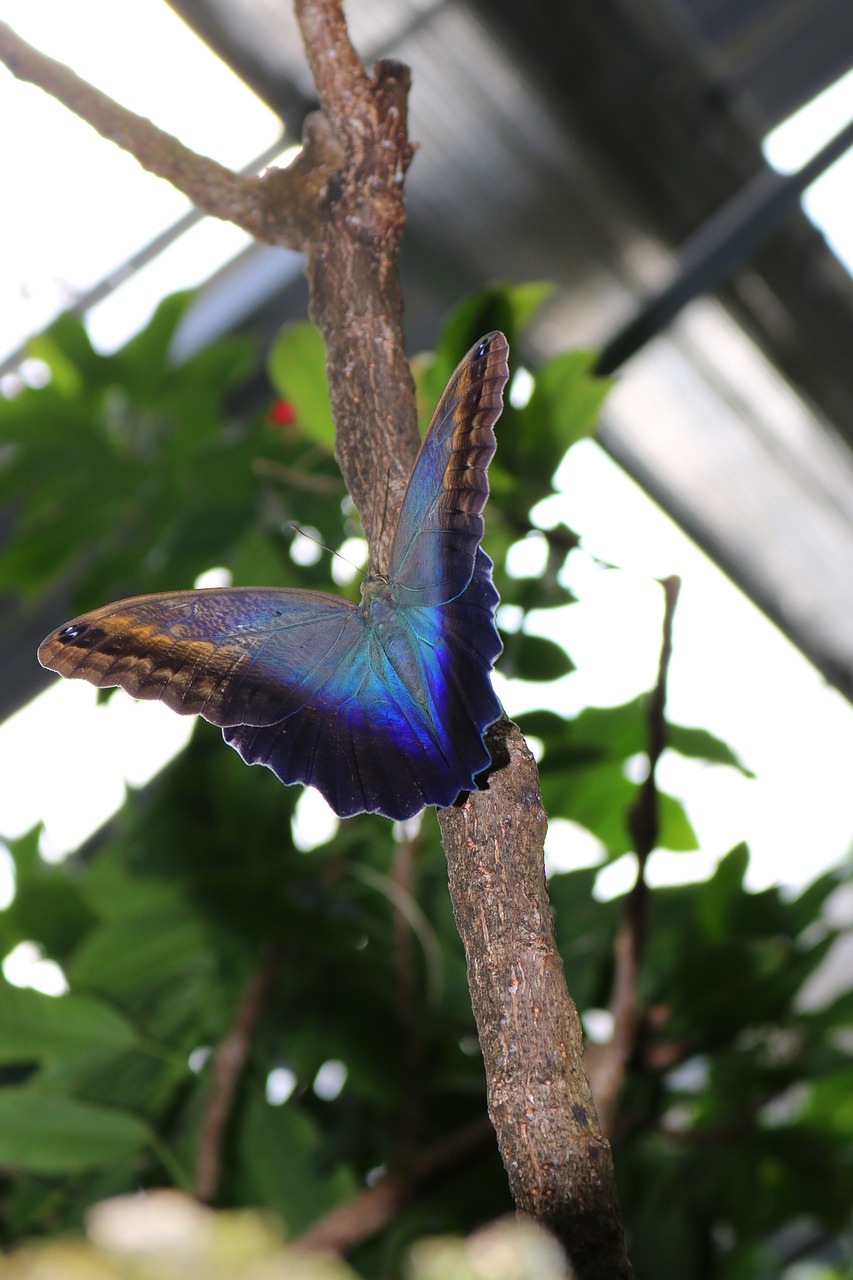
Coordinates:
[373,584]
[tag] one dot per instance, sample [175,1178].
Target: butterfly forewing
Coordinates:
[441,524]
[240,655]
[381,706]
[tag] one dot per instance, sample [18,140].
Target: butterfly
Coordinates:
[380,705]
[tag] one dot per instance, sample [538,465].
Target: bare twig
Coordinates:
[296,478]
[350,1224]
[228,1063]
[643,819]
[403,873]
[608,1063]
[280,206]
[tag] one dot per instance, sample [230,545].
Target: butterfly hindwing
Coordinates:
[382,706]
[393,729]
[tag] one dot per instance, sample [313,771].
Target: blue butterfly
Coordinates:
[381,706]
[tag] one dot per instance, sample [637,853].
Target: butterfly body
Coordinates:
[381,705]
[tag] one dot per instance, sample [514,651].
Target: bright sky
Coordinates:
[795,814]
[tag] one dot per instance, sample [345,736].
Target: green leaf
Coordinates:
[66,343]
[143,365]
[257,557]
[534,658]
[567,398]
[598,796]
[64,375]
[702,745]
[829,1106]
[130,958]
[585,929]
[297,370]
[281,1152]
[47,1135]
[616,732]
[721,892]
[48,1028]
[534,439]
[25,852]
[676,831]
[806,908]
[508,307]
[46,907]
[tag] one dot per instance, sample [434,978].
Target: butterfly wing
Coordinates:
[298,681]
[241,655]
[381,706]
[435,544]
[440,579]
[377,734]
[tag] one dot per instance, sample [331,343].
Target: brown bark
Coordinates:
[356,298]
[558,1161]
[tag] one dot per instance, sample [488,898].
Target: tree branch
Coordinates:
[608,1063]
[228,1063]
[281,206]
[558,1162]
[356,298]
[343,203]
[348,1225]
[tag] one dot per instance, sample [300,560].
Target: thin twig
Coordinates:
[344,87]
[643,819]
[608,1063]
[350,1224]
[228,1063]
[280,206]
[403,875]
[296,478]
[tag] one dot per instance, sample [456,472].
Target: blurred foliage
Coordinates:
[171,1237]
[734,1147]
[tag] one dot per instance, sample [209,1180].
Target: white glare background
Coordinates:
[76,208]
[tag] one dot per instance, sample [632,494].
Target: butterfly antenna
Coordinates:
[306,533]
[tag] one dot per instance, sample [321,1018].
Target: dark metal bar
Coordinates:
[721,246]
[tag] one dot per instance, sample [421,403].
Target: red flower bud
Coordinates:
[281,413]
